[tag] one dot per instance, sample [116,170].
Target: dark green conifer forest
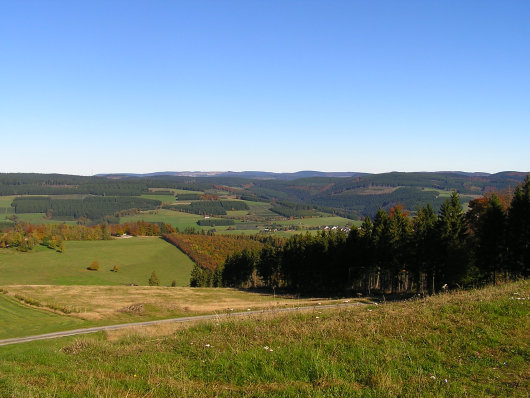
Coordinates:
[395,253]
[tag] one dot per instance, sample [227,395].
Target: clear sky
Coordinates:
[278,85]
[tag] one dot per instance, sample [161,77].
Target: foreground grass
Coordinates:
[462,344]
[136,258]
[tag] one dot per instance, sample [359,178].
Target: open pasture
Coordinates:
[318,222]
[177,219]
[164,198]
[174,190]
[117,304]
[135,257]
[17,319]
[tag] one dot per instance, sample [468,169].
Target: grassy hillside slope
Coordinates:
[17,319]
[135,257]
[472,343]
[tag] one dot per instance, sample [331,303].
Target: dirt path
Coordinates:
[74,332]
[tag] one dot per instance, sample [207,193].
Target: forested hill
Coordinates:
[353,197]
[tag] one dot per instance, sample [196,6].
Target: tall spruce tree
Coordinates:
[424,247]
[518,231]
[452,253]
[490,239]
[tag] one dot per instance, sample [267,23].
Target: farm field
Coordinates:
[136,258]
[468,343]
[175,191]
[161,197]
[17,319]
[5,204]
[39,218]
[319,221]
[177,219]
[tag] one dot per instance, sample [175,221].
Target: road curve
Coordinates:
[75,332]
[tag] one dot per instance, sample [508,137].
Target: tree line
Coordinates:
[92,207]
[210,207]
[24,236]
[397,253]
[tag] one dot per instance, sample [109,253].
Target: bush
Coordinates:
[153,280]
[115,268]
[173,283]
[94,266]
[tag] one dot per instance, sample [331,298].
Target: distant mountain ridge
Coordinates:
[240,174]
[267,175]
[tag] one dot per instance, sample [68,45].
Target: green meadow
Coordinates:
[177,219]
[164,198]
[17,319]
[136,258]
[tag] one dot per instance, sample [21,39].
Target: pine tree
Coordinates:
[424,247]
[518,231]
[453,251]
[153,280]
[490,242]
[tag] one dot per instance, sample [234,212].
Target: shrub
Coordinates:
[173,283]
[94,266]
[153,280]
[115,268]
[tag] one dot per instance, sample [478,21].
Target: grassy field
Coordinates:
[161,197]
[175,191]
[39,218]
[120,304]
[318,221]
[260,209]
[472,344]
[177,219]
[5,203]
[136,258]
[17,320]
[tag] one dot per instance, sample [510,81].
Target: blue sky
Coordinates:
[140,86]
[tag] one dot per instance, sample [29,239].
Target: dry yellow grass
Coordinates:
[97,303]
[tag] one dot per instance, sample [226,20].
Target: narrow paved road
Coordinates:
[184,319]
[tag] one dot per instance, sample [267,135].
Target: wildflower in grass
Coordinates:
[317,317]
[433,377]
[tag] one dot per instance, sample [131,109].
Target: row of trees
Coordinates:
[295,210]
[25,236]
[92,207]
[211,207]
[396,253]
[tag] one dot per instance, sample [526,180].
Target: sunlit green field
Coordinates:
[162,198]
[136,258]
[177,219]
[17,320]
[40,218]
[318,221]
